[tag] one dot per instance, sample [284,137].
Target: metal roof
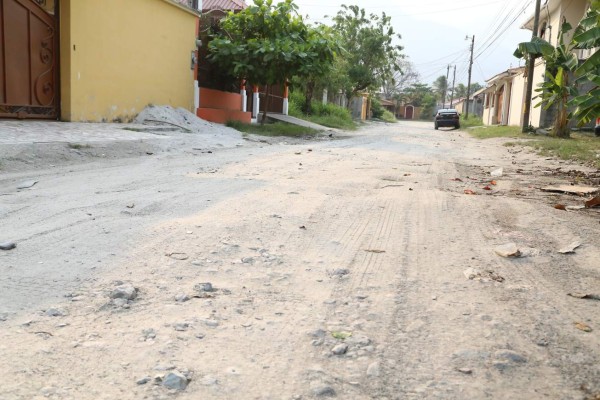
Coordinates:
[228,5]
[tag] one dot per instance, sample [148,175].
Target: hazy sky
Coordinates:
[433,31]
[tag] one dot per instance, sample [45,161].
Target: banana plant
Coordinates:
[556,90]
[586,106]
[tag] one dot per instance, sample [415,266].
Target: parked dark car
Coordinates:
[447,117]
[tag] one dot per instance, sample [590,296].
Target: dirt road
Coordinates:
[355,268]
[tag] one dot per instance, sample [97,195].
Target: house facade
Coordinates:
[505,93]
[504,97]
[86,60]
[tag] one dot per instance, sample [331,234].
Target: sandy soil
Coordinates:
[337,270]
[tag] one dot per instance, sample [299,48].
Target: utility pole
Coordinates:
[530,68]
[446,88]
[453,82]
[469,81]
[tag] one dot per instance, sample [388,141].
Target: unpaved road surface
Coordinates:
[337,269]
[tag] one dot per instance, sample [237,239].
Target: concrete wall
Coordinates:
[515,113]
[119,56]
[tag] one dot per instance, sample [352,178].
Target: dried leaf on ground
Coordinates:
[594,202]
[341,335]
[494,183]
[588,296]
[178,256]
[570,248]
[575,208]
[456,180]
[583,327]
[579,190]
[487,188]
[374,251]
[560,207]
[469,191]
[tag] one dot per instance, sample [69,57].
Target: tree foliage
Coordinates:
[440,87]
[268,43]
[587,36]
[561,63]
[370,56]
[556,88]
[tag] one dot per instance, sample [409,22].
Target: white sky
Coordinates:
[433,31]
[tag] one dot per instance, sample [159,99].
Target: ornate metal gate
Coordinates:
[28,60]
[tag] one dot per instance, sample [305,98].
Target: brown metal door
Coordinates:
[28,61]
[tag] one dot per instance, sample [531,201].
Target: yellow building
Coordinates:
[89,60]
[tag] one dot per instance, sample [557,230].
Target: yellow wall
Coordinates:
[119,56]
[517,99]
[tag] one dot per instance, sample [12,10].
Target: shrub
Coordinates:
[376,108]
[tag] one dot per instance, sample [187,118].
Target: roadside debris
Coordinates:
[125,291]
[340,349]
[508,250]
[570,248]
[497,172]
[7,246]
[26,184]
[583,327]
[130,205]
[483,276]
[374,251]
[487,188]
[584,296]
[177,117]
[204,287]
[571,189]
[175,380]
[457,180]
[178,256]
[469,191]
[561,207]
[594,202]
[574,208]
[341,335]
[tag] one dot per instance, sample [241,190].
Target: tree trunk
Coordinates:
[308,95]
[561,124]
[267,104]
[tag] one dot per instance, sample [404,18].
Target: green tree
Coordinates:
[370,55]
[325,48]
[440,87]
[556,89]
[587,36]
[267,44]
[415,94]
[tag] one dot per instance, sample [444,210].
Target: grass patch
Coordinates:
[579,147]
[470,122]
[488,132]
[78,146]
[328,115]
[274,129]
